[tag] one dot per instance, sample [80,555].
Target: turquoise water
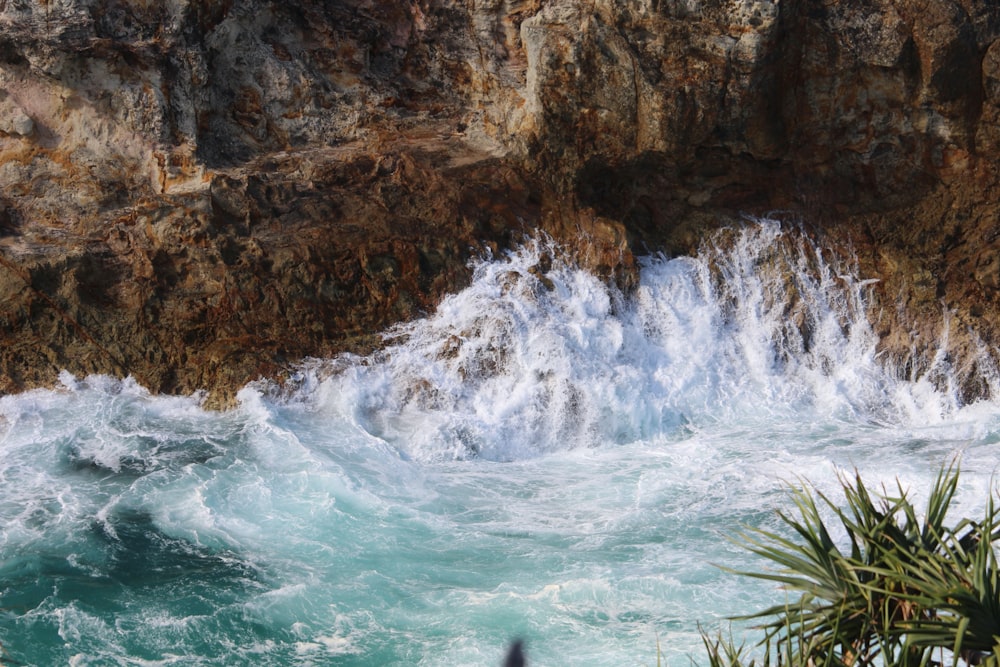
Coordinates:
[564,465]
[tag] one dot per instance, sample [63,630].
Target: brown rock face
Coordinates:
[310,254]
[199,192]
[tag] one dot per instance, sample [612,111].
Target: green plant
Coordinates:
[899,588]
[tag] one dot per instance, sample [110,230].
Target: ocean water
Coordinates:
[541,458]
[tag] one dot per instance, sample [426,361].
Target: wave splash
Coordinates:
[357,515]
[538,355]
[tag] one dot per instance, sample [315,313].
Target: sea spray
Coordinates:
[544,457]
[522,363]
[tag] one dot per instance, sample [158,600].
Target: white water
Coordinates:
[561,464]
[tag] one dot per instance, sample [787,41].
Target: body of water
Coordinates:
[542,458]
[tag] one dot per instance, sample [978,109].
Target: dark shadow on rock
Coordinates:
[10,219]
[666,206]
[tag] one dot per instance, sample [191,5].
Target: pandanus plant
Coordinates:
[898,589]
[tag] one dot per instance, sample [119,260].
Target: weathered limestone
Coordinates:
[200,191]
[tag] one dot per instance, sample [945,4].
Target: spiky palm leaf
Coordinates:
[908,584]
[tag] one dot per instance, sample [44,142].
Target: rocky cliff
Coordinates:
[199,192]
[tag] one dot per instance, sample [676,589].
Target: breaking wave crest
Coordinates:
[543,457]
[538,355]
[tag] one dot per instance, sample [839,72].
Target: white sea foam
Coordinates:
[758,326]
[544,457]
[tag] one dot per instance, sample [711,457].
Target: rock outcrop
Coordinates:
[198,192]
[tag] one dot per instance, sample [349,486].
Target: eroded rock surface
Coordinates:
[198,192]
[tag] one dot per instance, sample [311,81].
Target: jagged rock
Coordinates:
[13,120]
[199,192]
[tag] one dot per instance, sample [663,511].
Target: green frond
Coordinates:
[908,585]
